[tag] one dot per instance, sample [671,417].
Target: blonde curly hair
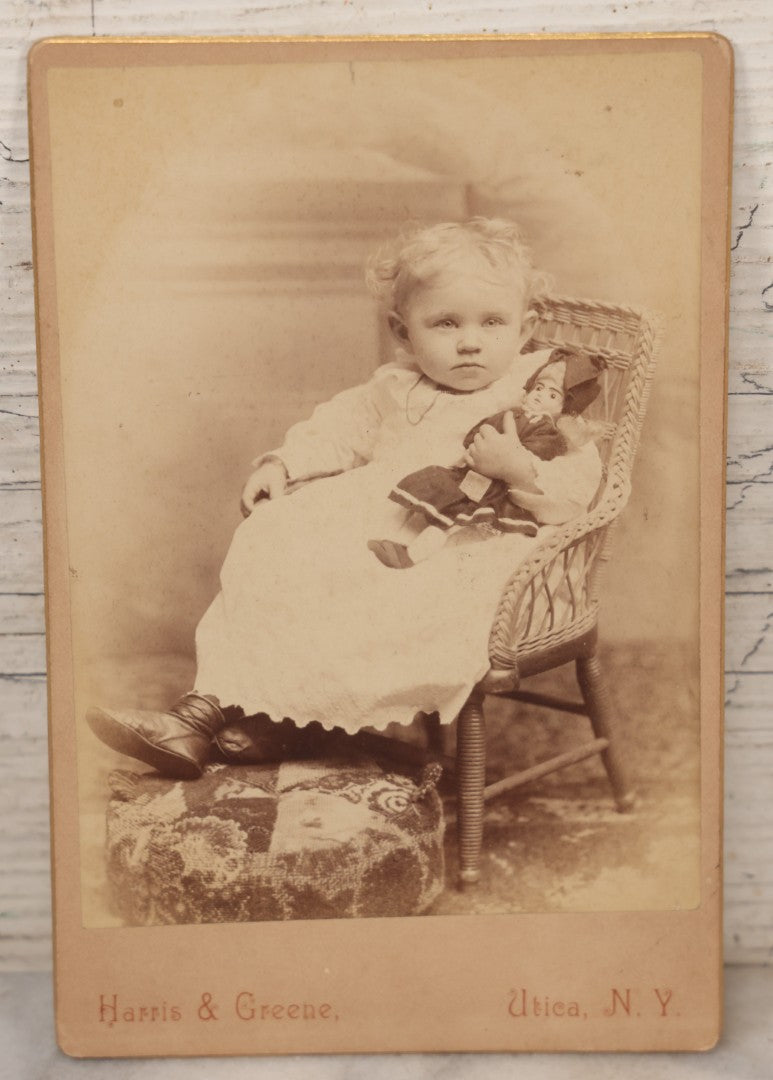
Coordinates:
[419,253]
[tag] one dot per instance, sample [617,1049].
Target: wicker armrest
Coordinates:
[552,596]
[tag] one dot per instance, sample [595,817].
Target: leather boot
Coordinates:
[176,743]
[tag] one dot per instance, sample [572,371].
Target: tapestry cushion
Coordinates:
[294,840]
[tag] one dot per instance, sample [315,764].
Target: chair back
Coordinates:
[552,598]
[626,339]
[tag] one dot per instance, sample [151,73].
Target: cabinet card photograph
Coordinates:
[382,394]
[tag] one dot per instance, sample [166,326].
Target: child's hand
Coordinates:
[502,457]
[270,479]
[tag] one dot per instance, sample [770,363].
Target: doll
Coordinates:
[484,488]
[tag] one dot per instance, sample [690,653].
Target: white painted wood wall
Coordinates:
[24,894]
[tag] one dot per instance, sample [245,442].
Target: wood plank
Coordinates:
[23,715]
[20,440]
[749,698]
[749,763]
[22,654]
[748,555]
[21,541]
[24,844]
[749,638]
[22,613]
[749,438]
[748,926]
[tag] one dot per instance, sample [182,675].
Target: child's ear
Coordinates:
[399,329]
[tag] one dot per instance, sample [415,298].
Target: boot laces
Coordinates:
[200,713]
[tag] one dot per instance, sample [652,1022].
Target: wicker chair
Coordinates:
[548,613]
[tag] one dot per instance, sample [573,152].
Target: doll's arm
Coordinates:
[561,488]
[546,442]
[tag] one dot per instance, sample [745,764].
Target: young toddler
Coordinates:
[307,624]
[444,498]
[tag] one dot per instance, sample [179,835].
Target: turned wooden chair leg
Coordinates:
[602,717]
[470,779]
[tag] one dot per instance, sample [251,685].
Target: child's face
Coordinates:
[465,326]
[544,397]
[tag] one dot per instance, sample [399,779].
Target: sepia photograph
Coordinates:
[364,484]
[371,416]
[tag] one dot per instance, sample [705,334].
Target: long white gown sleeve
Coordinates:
[339,435]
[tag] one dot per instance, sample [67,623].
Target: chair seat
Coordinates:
[505,680]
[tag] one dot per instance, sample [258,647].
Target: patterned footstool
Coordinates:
[297,840]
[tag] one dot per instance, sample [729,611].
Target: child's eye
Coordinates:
[493,320]
[445,324]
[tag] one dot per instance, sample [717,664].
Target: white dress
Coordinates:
[310,625]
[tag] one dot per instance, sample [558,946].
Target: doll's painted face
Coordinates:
[465,325]
[544,397]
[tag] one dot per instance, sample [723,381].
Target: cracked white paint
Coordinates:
[749,760]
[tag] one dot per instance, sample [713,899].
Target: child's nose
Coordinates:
[469,341]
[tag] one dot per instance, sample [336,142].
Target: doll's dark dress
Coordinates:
[459,496]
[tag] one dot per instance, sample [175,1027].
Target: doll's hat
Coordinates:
[579,374]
